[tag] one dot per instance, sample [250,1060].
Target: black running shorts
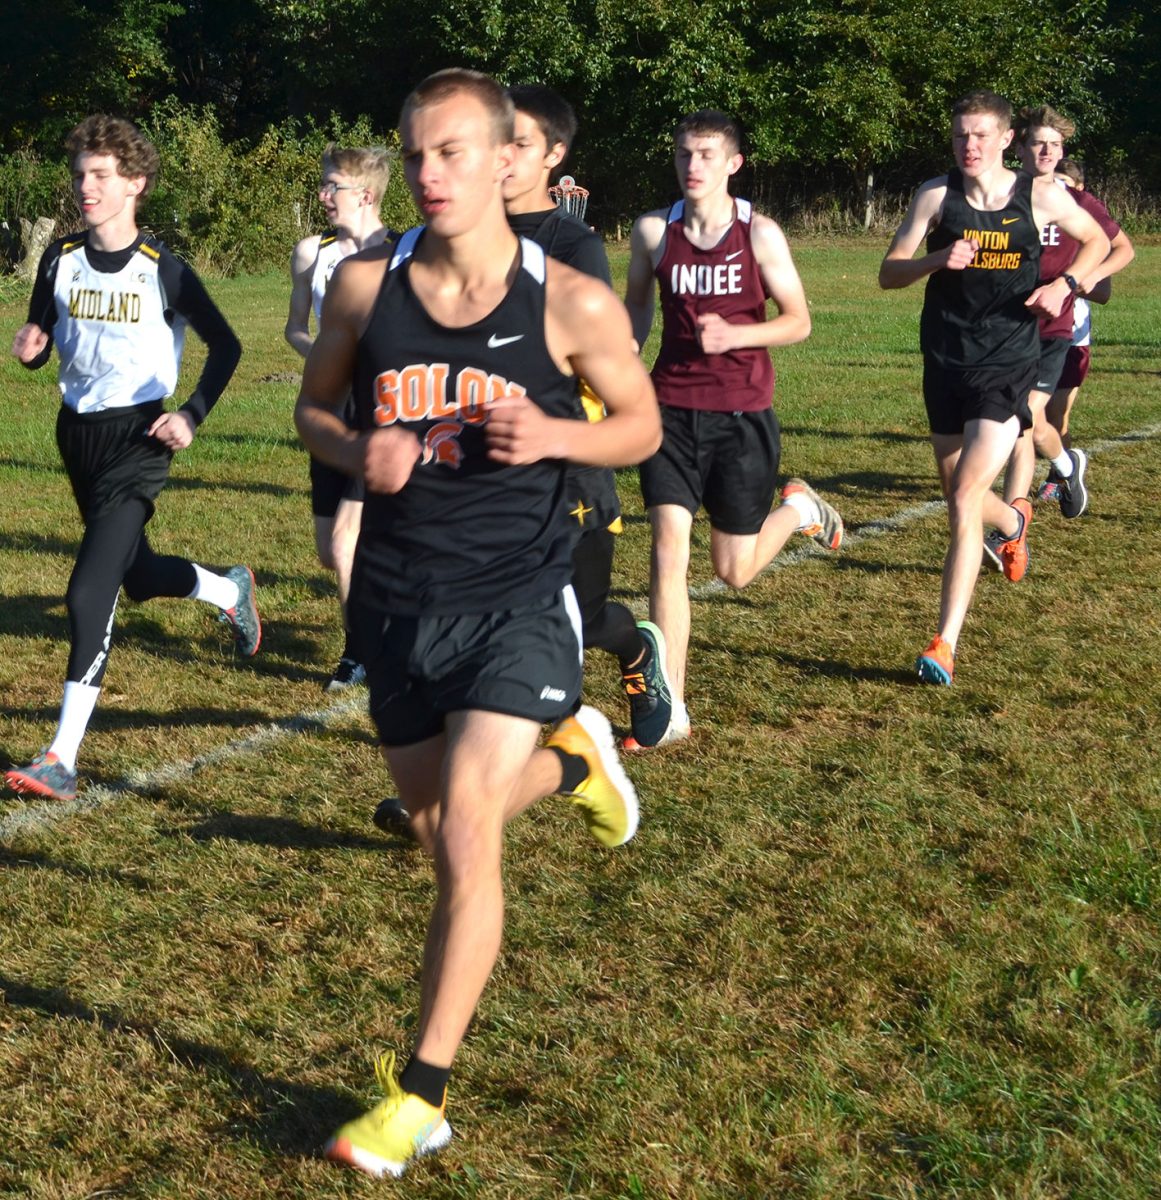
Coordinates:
[1053,352]
[328,486]
[523,662]
[724,462]
[955,397]
[110,459]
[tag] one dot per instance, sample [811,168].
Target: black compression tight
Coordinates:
[605,624]
[115,551]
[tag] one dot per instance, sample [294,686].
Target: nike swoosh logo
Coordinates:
[734,255]
[1008,220]
[495,341]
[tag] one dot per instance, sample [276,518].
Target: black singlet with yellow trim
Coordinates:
[976,317]
[466,534]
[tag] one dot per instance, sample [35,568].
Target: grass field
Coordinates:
[872,940]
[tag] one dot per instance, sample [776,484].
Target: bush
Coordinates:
[229,208]
[234,208]
[30,187]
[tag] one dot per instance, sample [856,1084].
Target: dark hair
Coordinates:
[101,134]
[709,121]
[549,109]
[1071,169]
[983,101]
[451,81]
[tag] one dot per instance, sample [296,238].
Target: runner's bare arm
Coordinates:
[1097,286]
[644,244]
[783,286]
[297,332]
[1053,205]
[383,458]
[588,330]
[899,268]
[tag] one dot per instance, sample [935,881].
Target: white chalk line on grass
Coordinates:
[40,815]
[906,516]
[50,812]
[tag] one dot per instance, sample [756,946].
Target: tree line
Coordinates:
[834,94]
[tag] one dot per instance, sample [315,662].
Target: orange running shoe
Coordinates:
[937,663]
[1014,555]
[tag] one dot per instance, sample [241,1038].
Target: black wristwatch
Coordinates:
[1073,286]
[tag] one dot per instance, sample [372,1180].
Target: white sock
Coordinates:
[214,589]
[1063,464]
[808,512]
[679,718]
[75,711]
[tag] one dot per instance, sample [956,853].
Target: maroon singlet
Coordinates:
[724,280]
[1056,256]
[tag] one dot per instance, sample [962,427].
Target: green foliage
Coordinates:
[828,90]
[228,207]
[67,58]
[32,187]
[231,207]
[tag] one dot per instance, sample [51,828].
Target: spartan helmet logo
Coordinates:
[442,444]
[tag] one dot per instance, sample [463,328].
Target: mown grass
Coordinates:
[872,940]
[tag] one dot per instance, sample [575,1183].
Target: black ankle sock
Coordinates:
[640,659]
[349,648]
[573,769]
[425,1081]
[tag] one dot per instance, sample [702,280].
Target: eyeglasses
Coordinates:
[330,188]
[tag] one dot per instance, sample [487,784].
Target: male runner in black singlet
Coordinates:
[545,128]
[462,345]
[979,338]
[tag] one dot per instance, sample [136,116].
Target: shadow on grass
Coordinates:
[250,442]
[109,719]
[288,834]
[288,1117]
[830,668]
[890,437]
[184,483]
[874,566]
[25,542]
[11,860]
[18,464]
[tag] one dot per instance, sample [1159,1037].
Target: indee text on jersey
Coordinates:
[693,279]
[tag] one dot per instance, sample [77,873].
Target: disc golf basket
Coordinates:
[570,196]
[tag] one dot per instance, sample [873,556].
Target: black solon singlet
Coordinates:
[465,534]
[976,317]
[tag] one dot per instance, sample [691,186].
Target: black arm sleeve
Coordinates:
[187,297]
[42,305]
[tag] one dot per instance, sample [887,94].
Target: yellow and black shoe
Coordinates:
[399,1129]
[606,797]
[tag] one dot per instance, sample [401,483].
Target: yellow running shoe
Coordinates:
[607,797]
[399,1129]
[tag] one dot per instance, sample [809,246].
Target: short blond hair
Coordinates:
[452,81]
[368,166]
